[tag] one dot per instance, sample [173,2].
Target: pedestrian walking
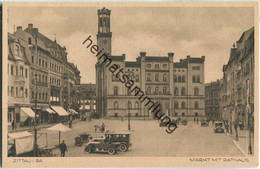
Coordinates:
[63,149]
[103,127]
[70,124]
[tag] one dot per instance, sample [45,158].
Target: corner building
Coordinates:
[177,86]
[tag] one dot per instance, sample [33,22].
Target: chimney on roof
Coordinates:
[170,56]
[142,54]
[30,26]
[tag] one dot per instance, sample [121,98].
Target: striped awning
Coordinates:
[28,111]
[60,110]
[50,111]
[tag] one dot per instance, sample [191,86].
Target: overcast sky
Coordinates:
[193,31]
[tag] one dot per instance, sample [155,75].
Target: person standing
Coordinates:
[63,148]
[13,125]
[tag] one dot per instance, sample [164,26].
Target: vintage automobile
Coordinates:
[204,123]
[219,127]
[123,138]
[81,139]
[112,142]
[101,145]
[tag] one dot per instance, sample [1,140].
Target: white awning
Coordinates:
[73,111]
[28,111]
[60,110]
[19,134]
[50,111]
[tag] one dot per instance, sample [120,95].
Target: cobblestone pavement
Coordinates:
[148,139]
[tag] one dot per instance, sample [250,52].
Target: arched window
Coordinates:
[157,77]
[179,78]
[12,91]
[183,105]
[183,91]
[116,90]
[183,78]
[164,90]
[196,91]
[148,78]
[148,90]
[115,105]
[175,78]
[156,90]
[136,105]
[129,105]
[176,91]
[21,92]
[165,77]
[196,105]
[176,105]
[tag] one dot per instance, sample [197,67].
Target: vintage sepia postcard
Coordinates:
[169,84]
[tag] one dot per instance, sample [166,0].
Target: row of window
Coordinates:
[157,77]
[44,64]
[182,105]
[17,92]
[15,70]
[196,79]
[164,91]
[137,105]
[157,91]
[179,78]
[43,96]
[129,105]
[157,66]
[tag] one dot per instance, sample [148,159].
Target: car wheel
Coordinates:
[111,151]
[88,149]
[123,147]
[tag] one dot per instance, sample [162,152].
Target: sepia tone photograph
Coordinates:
[105,82]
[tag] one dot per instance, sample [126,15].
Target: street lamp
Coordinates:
[35,149]
[129,126]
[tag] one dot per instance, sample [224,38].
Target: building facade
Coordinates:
[50,76]
[212,100]
[18,80]
[177,86]
[86,94]
[238,81]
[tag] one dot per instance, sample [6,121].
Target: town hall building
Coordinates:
[177,86]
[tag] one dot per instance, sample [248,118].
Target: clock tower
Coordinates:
[104,42]
[104,35]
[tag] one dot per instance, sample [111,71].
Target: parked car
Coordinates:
[111,143]
[119,137]
[82,138]
[204,123]
[219,127]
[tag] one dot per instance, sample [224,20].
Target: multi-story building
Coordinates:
[50,75]
[18,80]
[86,94]
[238,80]
[212,100]
[177,86]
